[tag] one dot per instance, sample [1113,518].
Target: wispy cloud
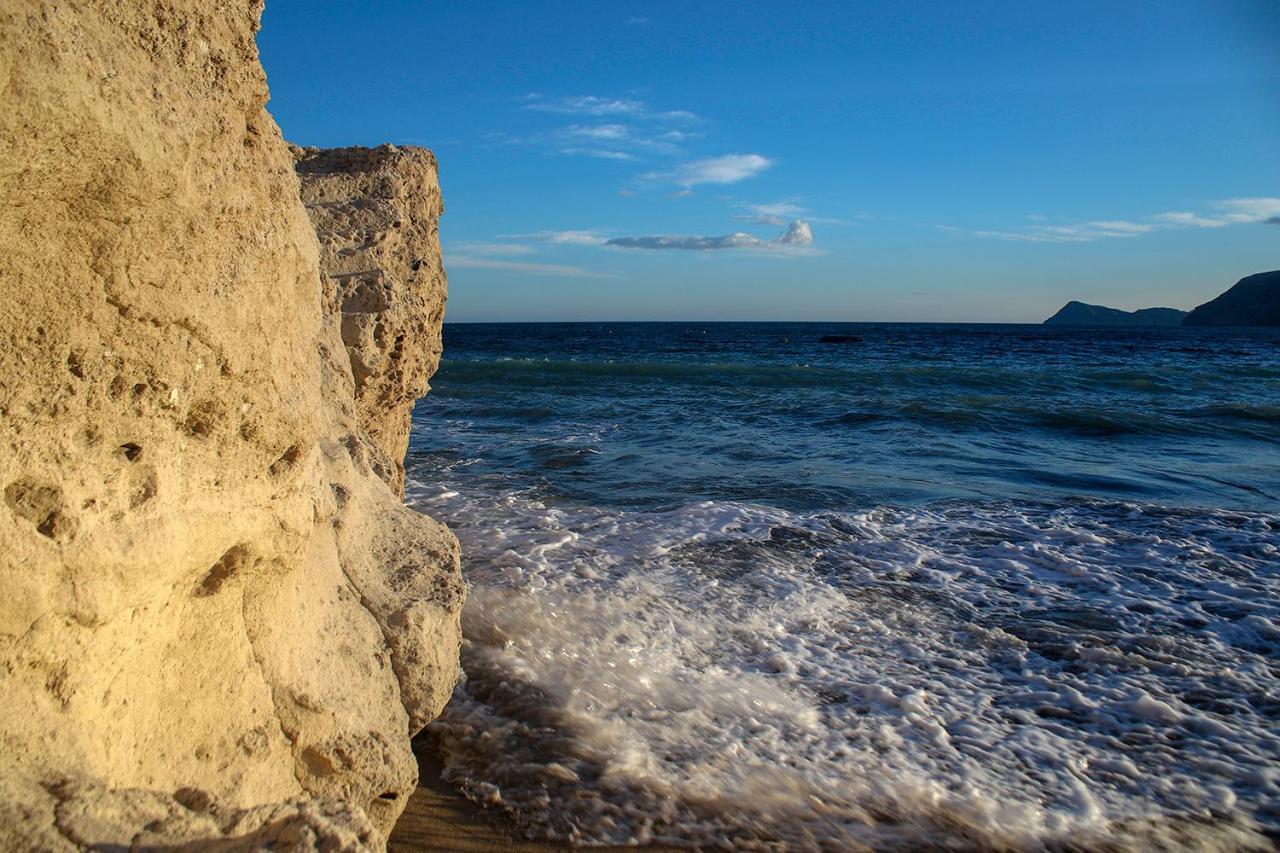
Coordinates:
[597,106]
[584,105]
[606,128]
[728,169]
[638,21]
[598,153]
[482,248]
[1189,220]
[566,271]
[1078,233]
[798,236]
[781,212]
[1232,211]
[497,255]
[572,237]
[616,140]
[775,213]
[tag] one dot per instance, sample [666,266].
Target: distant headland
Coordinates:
[1081,314]
[1253,301]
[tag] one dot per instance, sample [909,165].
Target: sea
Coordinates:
[931,587]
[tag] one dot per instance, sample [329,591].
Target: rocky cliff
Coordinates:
[218,620]
[1082,314]
[376,212]
[1252,301]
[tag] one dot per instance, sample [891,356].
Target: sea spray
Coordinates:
[1004,675]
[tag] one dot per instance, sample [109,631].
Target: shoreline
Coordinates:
[439,818]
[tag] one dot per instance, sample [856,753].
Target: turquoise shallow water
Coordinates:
[985,585]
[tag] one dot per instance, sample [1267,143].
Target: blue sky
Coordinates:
[932,161]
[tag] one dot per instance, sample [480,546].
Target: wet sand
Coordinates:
[439,818]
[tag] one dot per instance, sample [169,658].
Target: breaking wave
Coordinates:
[1000,674]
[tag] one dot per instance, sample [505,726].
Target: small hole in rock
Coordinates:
[75,365]
[52,525]
[131,451]
[42,505]
[389,795]
[230,563]
[286,461]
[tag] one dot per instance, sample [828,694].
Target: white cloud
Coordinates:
[797,238]
[798,234]
[598,153]
[776,213]
[1249,209]
[1087,231]
[608,128]
[584,105]
[781,212]
[471,262]
[1232,211]
[488,249]
[615,140]
[728,169]
[1189,220]
[598,132]
[595,106]
[572,237]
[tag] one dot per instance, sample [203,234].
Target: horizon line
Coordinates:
[448,322]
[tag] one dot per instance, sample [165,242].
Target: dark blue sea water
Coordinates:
[987,585]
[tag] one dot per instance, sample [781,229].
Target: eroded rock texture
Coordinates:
[377,212]
[217,620]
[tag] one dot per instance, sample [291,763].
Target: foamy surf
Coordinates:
[985,673]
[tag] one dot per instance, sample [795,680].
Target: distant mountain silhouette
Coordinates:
[1081,314]
[1253,301]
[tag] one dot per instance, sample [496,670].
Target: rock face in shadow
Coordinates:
[218,620]
[1083,314]
[377,213]
[1252,301]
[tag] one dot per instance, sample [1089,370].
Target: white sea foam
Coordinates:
[990,674]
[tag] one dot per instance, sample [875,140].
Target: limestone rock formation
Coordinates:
[218,621]
[1252,301]
[1082,314]
[376,212]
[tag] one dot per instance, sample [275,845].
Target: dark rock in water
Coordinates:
[1253,301]
[1081,314]
[840,339]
